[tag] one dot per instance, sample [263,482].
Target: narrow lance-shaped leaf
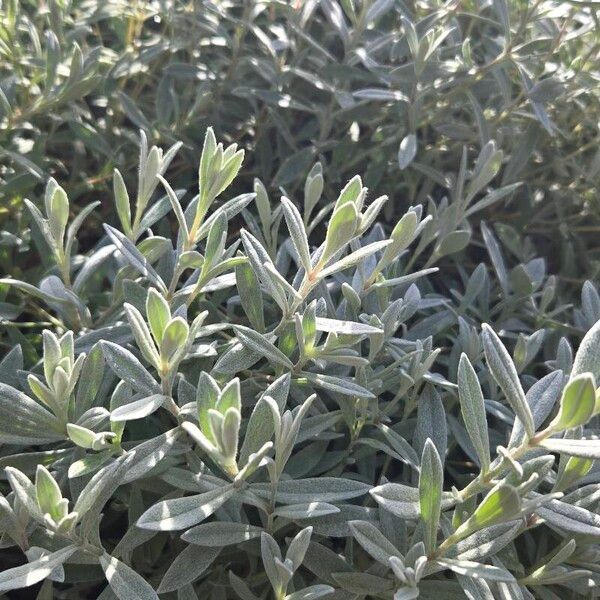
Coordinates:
[354,258]
[181,513]
[577,403]
[297,232]
[476,570]
[431,480]
[133,256]
[122,201]
[187,567]
[258,343]
[587,358]
[407,150]
[124,581]
[340,230]
[158,313]
[250,295]
[373,541]
[33,572]
[586,448]
[138,409]
[473,410]
[505,373]
[129,368]
[500,505]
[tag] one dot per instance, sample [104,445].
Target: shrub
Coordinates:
[252,399]
[395,91]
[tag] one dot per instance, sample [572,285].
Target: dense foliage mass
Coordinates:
[243,374]
[390,89]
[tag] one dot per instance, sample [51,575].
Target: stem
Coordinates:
[484,479]
[166,383]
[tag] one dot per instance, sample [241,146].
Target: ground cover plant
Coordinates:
[265,413]
[231,368]
[392,90]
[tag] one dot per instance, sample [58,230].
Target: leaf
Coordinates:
[142,334]
[89,464]
[363,583]
[122,201]
[297,548]
[567,517]
[138,409]
[90,380]
[221,533]
[431,422]
[473,411]
[297,232]
[491,198]
[174,340]
[187,567]
[133,256]
[312,592]
[76,225]
[431,479]
[81,436]
[34,291]
[402,235]
[24,421]
[401,446]
[215,242]
[407,150]
[406,593]
[476,570]
[133,112]
[488,541]
[48,493]
[181,513]
[586,448]
[258,343]
[230,209]
[124,581]
[587,358]
[314,489]
[101,486]
[10,365]
[251,299]
[337,384]
[405,279]
[501,504]
[33,572]
[260,425]
[158,313]
[129,369]
[455,241]
[241,588]
[403,500]
[176,206]
[340,230]
[577,403]
[345,327]
[305,510]
[295,164]
[380,94]
[258,257]
[354,258]
[487,166]
[541,397]
[505,374]
[148,454]
[373,541]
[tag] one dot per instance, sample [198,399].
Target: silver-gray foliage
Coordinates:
[286,406]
